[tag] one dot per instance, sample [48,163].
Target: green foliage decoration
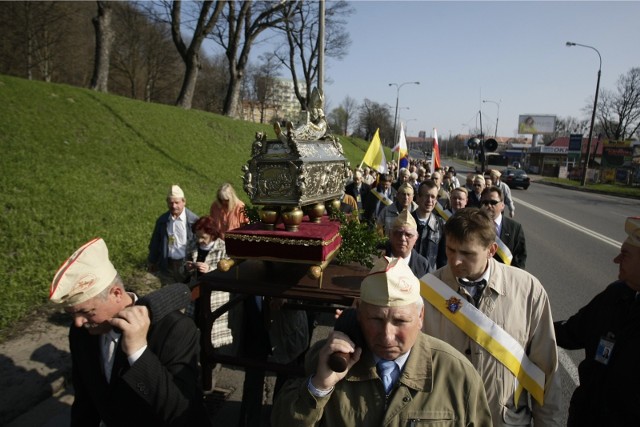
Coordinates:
[360,243]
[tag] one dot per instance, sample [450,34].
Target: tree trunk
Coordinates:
[104,41]
[192,64]
[233,95]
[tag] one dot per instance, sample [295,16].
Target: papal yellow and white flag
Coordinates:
[374,157]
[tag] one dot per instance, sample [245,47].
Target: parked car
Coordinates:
[515,178]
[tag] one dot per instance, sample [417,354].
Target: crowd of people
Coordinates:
[451,328]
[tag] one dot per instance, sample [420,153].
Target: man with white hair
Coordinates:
[403,178]
[367,177]
[131,365]
[608,329]
[396,376]
[404,200]
[171,236]
[359,190]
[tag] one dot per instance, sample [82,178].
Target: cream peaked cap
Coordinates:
[175,192]
[632,228]
[390,283]
[84,275]
[405,219]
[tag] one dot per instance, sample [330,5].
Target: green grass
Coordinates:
[615,189]
[77,164]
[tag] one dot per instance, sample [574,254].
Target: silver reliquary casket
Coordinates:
[295,173]
[302,166]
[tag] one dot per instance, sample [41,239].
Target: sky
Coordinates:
[510,52]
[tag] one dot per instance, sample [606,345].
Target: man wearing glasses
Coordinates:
[403,238]
[508,230]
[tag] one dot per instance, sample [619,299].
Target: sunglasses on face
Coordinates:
[490,202]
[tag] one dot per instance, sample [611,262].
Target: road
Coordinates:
[572,238]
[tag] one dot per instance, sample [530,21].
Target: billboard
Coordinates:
[617,154]
[536,124]
[575,142]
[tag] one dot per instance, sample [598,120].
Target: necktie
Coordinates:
[477,286]
[109,349]
[386,369]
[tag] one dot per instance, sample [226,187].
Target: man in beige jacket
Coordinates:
[504,297]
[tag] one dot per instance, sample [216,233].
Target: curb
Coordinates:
[586,190]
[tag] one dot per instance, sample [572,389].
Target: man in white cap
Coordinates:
[608,329]
[171,236]
[403,238]
[126,370]
[396,377]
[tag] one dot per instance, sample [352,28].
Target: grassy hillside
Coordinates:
[78,164]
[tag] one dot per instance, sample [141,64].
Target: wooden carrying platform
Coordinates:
[338,285]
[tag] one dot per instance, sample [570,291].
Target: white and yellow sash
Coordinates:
[444,213]
[381,197]
[503,252]
[486,333]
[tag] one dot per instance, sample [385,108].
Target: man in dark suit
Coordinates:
[126,370]
[359,190]
[431,241]
[383,195]
[508,230]
[475,195]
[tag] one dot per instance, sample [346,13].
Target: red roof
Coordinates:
[563,141]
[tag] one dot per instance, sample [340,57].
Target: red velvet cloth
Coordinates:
[311,243]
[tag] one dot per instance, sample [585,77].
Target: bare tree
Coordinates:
[244,21]
[300,53]
[200,19]
[104,41]
[350,107]
[568,125]
[565,126]
[263,84]
[343,117]
[619,111]
[145,65]
[373,115]
[35,38]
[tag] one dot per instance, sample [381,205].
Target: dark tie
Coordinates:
[386,369]
[479,287]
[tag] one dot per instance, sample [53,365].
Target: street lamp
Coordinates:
[593,114]
[400,113]
[395,117]
[498,116]
[406,125]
